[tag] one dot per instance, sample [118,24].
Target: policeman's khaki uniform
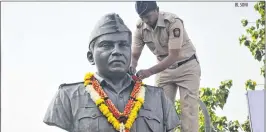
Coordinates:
[183,74]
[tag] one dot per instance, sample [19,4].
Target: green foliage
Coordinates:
[254,38]
[246,126]
[250,85]
[215,98]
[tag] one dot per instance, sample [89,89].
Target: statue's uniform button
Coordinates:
[120,95]
[94,115]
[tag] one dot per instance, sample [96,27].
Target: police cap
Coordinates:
[143,7]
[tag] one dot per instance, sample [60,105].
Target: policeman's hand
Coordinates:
[145,73]
[132,70]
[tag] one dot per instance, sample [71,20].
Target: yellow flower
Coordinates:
[133,114]
[101,107]
[87,82]
[114,122]
[128,125]
[111,119]
[116,125]
[134,109]
[140,100]
[109,114]
[99,101]
[88,76]
[130,121]
[105,110]
[138,105]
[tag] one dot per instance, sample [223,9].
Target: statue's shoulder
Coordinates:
[153,89]
[70,85]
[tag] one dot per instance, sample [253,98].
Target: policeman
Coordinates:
[178,67]
[110,51]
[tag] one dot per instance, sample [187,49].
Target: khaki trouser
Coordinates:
[186,78]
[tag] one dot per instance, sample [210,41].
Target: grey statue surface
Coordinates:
[73,108]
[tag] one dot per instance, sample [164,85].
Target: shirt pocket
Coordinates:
[88,119]
[147,121]
[148,41]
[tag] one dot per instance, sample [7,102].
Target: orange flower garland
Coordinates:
[121,121]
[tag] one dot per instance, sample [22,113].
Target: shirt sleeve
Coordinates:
[59,112]
[138,39]
[171,120]
[176,33]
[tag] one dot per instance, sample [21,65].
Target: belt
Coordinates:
[175,65]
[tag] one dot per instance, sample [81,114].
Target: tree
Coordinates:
[254,39]
[214,98]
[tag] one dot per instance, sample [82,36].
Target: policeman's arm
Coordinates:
[137,47]
[176,31]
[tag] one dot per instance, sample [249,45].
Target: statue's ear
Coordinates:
[90,57]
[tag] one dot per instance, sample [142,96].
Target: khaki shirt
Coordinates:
[73,110]
[169,33]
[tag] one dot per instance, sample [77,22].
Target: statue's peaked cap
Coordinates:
[109,23]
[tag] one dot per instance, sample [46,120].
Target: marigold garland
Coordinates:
[122,122]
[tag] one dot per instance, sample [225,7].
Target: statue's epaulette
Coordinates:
[153,87]
[139,24]
[65,85]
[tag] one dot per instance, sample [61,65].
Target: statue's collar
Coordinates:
[103,82]
[101,79]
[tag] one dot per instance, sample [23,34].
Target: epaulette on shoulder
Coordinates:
[65,85]
[171,17]
[139,24]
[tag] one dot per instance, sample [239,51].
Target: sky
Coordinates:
[45,44]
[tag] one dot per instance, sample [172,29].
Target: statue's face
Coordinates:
[112,53]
